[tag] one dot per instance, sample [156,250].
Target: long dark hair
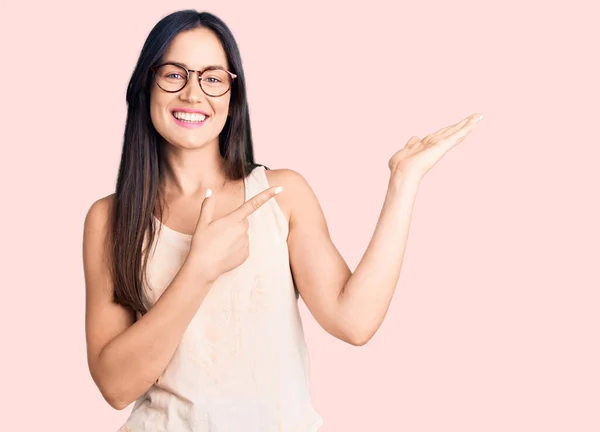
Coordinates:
[138,191]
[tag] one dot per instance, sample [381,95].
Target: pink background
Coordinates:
[494,325]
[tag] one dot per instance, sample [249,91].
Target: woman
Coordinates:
[193,267]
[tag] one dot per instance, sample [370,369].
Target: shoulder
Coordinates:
[100,208]
[296,189]
[98,214]
[285,176]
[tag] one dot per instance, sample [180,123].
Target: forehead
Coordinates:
[196,49]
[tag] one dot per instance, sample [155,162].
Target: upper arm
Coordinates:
[318,268]
[104,320]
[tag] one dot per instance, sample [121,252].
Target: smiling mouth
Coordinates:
[189,118]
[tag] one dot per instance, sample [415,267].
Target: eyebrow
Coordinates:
[187,67]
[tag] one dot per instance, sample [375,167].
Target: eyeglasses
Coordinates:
[173,77]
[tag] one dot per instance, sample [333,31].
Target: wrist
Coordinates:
[400,179]
[200,267]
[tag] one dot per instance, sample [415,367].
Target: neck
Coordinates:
[190,172]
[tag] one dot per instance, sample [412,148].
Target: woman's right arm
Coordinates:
[125,357]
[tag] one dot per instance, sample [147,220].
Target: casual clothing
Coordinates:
[242,364]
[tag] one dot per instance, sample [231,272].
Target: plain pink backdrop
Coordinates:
[494,325]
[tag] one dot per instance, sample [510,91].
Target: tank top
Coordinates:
[242,364]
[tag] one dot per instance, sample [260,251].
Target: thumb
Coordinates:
[206,211]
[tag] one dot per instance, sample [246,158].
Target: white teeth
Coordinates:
[188,116]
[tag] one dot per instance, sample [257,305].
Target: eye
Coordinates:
[170,75]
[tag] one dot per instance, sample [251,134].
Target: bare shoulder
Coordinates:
[99,210]
[295,189]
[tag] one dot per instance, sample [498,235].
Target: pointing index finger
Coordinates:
[255,202]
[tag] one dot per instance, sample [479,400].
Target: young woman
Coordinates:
[194,266]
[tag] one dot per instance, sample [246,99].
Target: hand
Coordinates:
[222,244]
[419,156]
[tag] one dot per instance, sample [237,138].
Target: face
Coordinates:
[195,49]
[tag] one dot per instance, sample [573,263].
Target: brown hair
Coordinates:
[138,191]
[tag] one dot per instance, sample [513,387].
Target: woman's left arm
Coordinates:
[352,306]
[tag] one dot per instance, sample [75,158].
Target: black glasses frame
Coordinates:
[187,78]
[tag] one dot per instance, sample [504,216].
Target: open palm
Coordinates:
[418,156]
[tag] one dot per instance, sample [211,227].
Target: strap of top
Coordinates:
[257,182]
[274,218]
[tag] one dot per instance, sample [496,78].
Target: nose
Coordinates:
[192,91]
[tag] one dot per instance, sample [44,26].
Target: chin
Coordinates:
[189,143]
[189,140]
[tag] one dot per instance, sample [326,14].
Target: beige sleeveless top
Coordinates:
[242,364]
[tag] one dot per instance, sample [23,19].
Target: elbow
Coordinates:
[353,334]
[116,403]
[359,342]
[359,338]
[114,398]
[113,395]
[111,388]
[349,331]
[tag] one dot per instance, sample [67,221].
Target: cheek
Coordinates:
[224,106]
[223,114]
[158,112]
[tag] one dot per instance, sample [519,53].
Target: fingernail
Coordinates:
[278,189]
[208,193]
[480,117]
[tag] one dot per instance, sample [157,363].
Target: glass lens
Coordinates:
[171,77]
[215,82]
